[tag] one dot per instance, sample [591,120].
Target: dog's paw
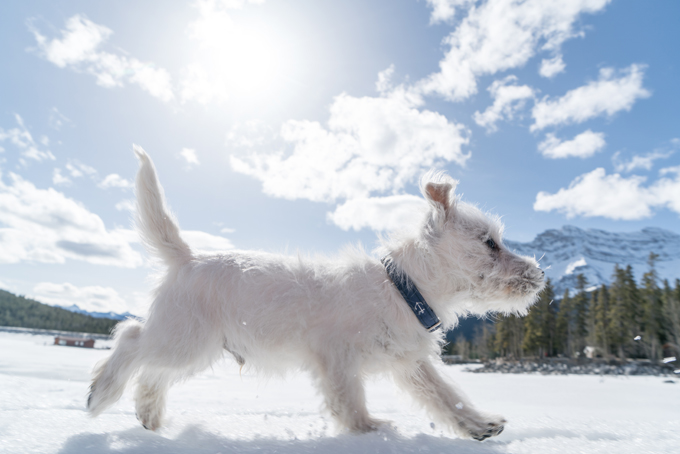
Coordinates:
[150,405]
[368,424]
[149,421]
[492,430]
[481,428]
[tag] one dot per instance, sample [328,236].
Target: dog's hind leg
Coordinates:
[341,384]
[112,374]
[446,403]
[171,352]
[150,396]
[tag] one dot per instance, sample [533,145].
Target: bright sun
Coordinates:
[234,59]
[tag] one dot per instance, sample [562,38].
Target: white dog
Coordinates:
[340,319]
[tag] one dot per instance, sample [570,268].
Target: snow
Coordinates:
[43,388]
[573,265]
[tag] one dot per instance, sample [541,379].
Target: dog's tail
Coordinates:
[155,223]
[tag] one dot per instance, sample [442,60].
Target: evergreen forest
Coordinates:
[624,320]
[17,311]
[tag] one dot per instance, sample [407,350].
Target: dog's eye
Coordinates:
[492,244]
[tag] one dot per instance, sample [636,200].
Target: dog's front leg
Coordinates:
[340,381]
[447,403]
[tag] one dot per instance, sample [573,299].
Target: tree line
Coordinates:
[624,320]
[17,311]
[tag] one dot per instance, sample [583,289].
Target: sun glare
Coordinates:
[235,59]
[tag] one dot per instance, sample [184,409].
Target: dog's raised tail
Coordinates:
[156,224]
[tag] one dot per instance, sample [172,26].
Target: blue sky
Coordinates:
[305,125]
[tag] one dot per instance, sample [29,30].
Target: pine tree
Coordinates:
[671,313]
[625,313]
[652,311]
[601,318]
[462,347]
[509,336]
[580,308]
[591,338]
[635,310]
[617,315]
[483,342]
[539,325]
[563,326]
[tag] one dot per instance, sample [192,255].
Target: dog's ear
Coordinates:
[438,190]
[438,194]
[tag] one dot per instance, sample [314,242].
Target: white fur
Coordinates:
[340,318]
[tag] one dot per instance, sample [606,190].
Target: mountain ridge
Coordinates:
[569,251]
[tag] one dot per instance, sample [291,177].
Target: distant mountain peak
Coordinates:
[109,315]
[569,251]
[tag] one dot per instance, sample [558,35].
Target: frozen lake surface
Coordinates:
[43,390]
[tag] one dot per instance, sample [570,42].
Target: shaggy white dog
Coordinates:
[340,319]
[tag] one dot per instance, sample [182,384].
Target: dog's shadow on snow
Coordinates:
[196,440]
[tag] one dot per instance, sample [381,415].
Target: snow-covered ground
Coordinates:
[43,389]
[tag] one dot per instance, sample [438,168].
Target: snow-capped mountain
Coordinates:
[111,315]
[571,251]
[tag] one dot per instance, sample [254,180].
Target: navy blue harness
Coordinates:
[411,295]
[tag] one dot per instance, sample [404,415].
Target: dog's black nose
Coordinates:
[542,273]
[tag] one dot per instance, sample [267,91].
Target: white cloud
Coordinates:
[78,49]
[384,83]
[499,35]
[645,161]
[598,194]
[91,298]
[115,181]
[250,134]
[667,190]
[77,169]
[614,196]
[59,179]
[612,92]
[379,213]
[43,225]
[583,145]
[508,100]
[79,42]
[203,242]
[552,67]
[370,145]
[189,156]
[57,119]
[638,161]
[126,205]
[22,139]
[445,10]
